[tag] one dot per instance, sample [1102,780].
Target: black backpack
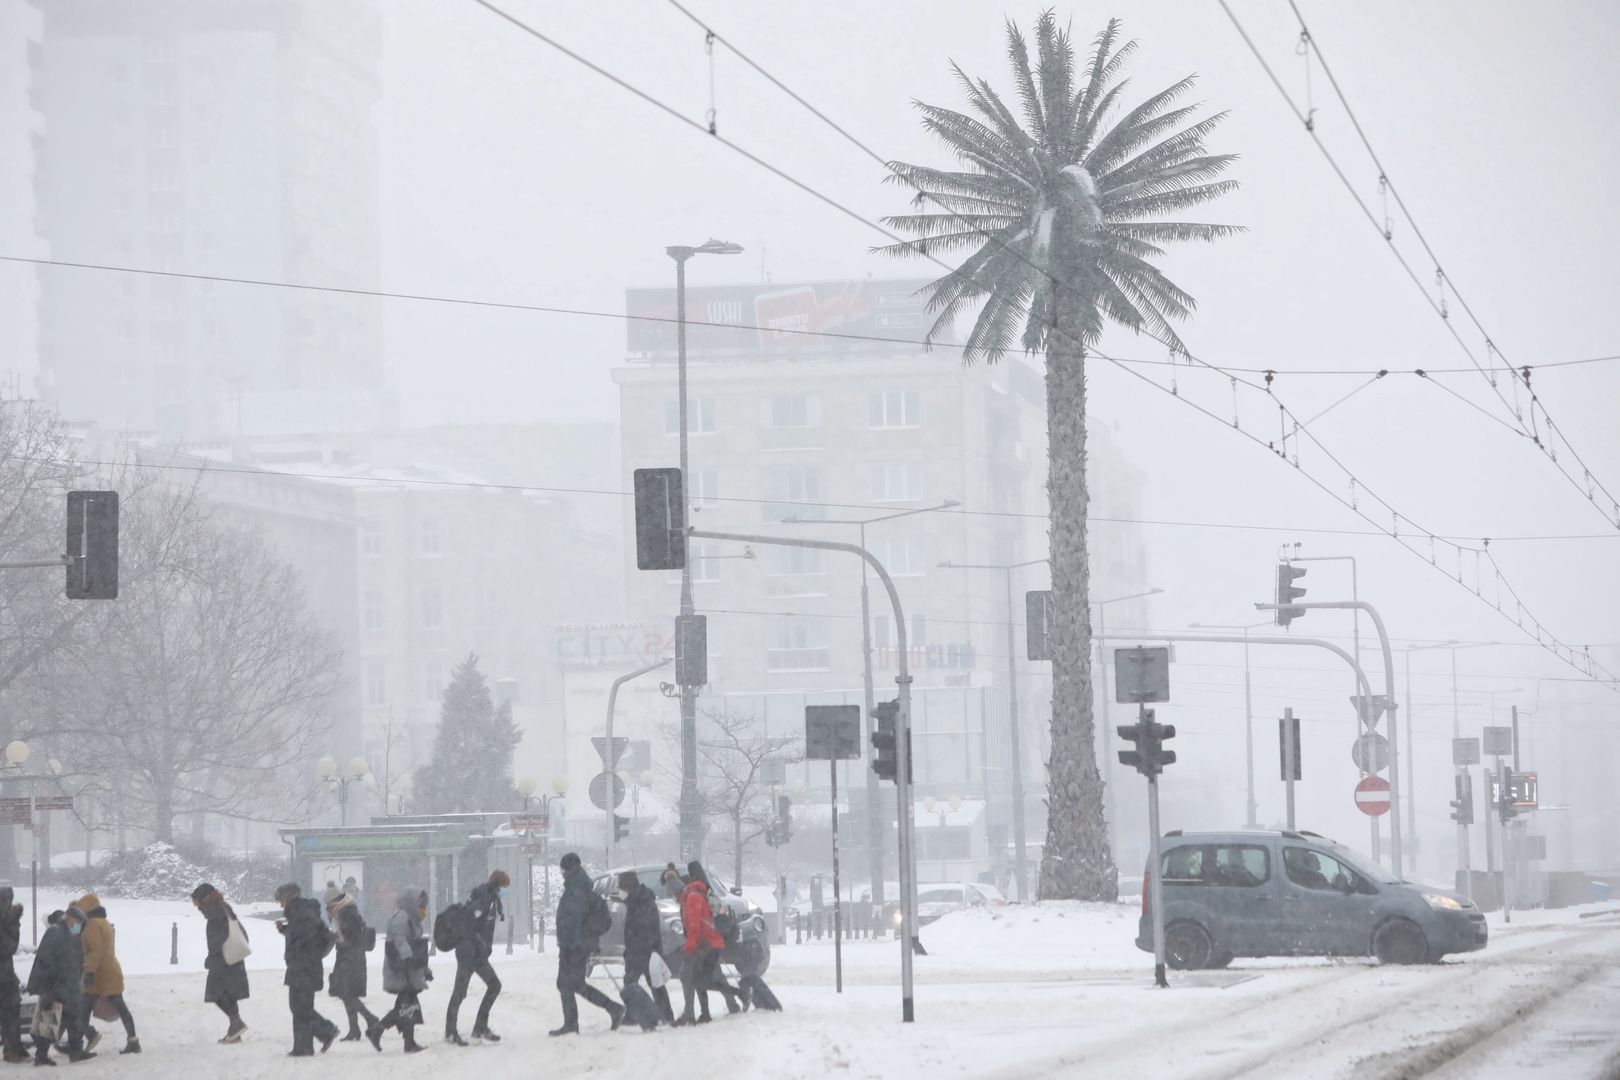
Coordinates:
[447,926]
[598,919]
[368,940]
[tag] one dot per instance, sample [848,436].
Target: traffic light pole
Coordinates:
[838,896]
[611,766]
[905,820]
[1155,874]
[1291,761]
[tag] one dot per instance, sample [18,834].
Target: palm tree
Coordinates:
[1061,216]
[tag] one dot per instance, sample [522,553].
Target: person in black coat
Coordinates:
[477,942]
[576,941]
[308,942]
[56,977]
[227,983]
[10,988]
[348,982]
[643,936]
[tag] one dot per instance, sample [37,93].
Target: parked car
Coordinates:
[936,901]
[751,955]
[1266,893]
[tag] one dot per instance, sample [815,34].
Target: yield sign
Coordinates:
[619,744]
[1372,796]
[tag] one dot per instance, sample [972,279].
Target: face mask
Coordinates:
[503,894]
[75,928]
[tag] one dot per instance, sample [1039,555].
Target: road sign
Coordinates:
[1370,709]
[1372,796]
[530,823]
[1465,751]
[1038,624]
[1283,741]
[1498,741]
[1524,790]
[531,850]
[1370,753]
[599,792]
[619,744]
[1142,674]
[832,732]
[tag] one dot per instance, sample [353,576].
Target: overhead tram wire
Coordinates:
[1300,428]
[1520,376]
[1554,645]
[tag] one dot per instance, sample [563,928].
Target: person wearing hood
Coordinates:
[307,943]
[10,989]
[700,971]
[672,882]
[56,976]
[405,970]
[582,918]
[227,982]
[473,950]
[348,982]
[103,975]
[643,936]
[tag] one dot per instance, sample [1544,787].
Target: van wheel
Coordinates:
[1186,946]
[1400,941]
[1221,959]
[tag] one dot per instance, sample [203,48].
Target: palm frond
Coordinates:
[969,185]
[1056,71]
[1174,230]
[1123,132]
[1182,174]
[1029,97]
[1175,200]
[993,331]
[974,141]
[1186,143]
[988,103]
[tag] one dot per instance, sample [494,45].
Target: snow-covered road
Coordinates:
[1055,991]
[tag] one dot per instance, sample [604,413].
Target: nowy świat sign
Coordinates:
[777,319]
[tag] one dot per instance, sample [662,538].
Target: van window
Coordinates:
[1244,865]
[1314,870]
[1184,864]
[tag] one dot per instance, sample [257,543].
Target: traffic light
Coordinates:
[784,819]
[621,827]
[1462,807]
[691,650]
[1504,804]
[1287,593]
[1148,737]
[660,519]
[1038,624]
[885,762]
[92,545]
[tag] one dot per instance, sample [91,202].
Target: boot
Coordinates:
[131,1047]
[411,1045]
[374,1033]
[616,1011]
[566,1029]
[91,1038]
[483,1034]
[453,1037]
[15,1057]
[77,1056]
[328,1037]
[233,1034]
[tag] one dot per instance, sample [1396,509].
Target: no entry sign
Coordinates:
[1372,796]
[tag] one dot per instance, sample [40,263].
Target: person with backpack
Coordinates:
[103,975]
[10,987]
[405,970]
[354,940]
[307,943]
[582,918]
[474,945]
[226,962]
[643,937]
[700,971]
[56,976]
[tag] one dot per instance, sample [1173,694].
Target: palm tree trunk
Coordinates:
[1077,863]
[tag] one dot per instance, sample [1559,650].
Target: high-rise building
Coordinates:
[199,137]
[21,128]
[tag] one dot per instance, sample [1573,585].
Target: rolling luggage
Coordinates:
[639,1008]
[758,995]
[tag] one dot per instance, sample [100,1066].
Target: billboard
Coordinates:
[779,319]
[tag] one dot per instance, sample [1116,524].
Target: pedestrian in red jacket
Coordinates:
[701,971]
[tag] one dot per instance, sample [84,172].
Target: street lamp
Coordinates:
[327,769]
[1248,704]
[16,754]
[1107,727]
[1020,874]
[691,825]
[874,796]
[16,758]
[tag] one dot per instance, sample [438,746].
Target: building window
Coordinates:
[373,608]
[431,540]
[433,681]
[894,409]
[787,485]
[432,607]
[897,482]
[792,571]
[797,646]
[699,416]
[370,538]
[376,682]
[791,422]
[919,630]
[705,565]
[902,556]
[705,489]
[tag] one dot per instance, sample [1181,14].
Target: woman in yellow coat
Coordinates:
[103,977]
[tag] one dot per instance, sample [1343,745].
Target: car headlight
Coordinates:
[1442,903]
[675,926]
[759,924]
[897,919]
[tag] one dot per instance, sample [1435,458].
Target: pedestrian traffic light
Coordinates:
[1462,807]
[660,519]
[885,761]
[691,650]
[1504,803]
[621,827]
[1149,757]
[92,545]
[1287,593]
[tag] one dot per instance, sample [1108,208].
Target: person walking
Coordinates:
[348,982]
[306,946]
[10,988]
[55,978]
[582,918]
[227,983]
[474,947]
[405,970]
[672,882]
[643,936]
[700,971]
[103,974]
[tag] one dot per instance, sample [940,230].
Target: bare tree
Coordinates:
[391,737]
[206,684]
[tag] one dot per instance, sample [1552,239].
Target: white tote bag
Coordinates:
[236,948]
[658,972]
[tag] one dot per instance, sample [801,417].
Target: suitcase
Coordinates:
[639,1008]
[758,994]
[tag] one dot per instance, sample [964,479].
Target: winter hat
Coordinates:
[628,880]
[200,893]
[74,912]
[500,879]
[569,862]
[332,895]
[287,893]
[54,917]
[694,871]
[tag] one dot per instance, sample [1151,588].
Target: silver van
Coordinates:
[1266,893]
